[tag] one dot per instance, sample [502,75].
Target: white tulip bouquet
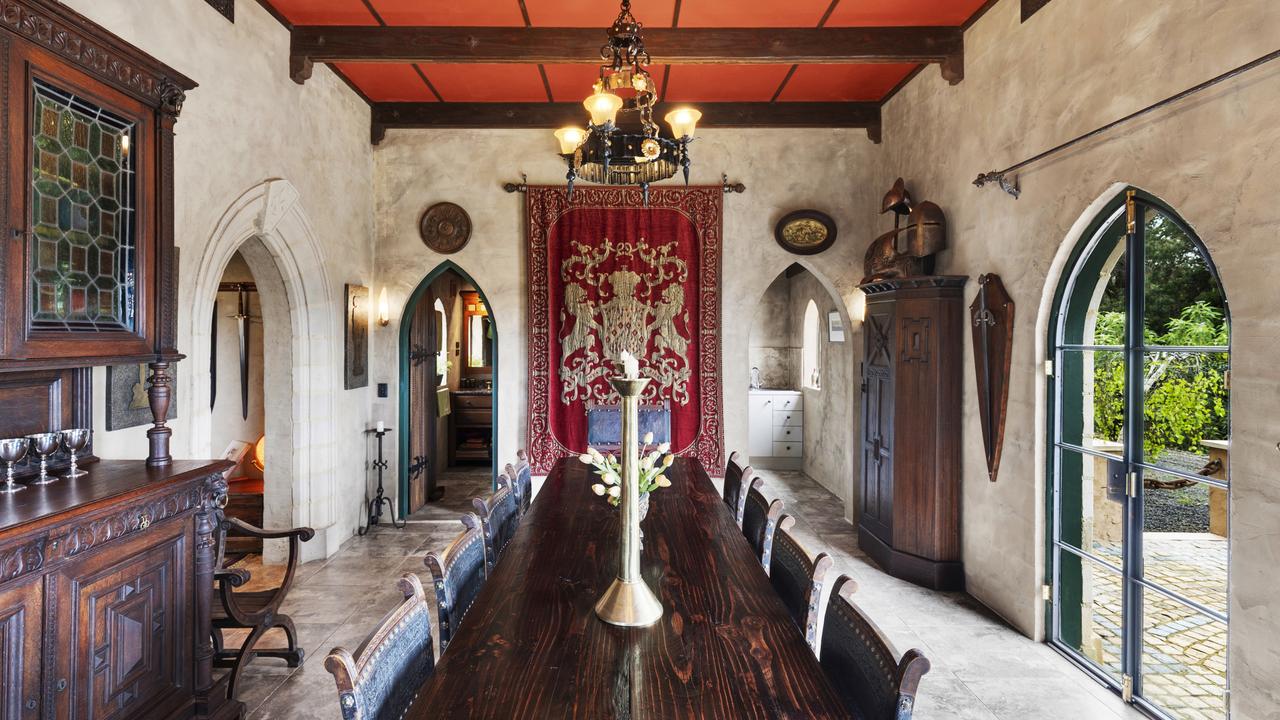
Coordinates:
[654,461]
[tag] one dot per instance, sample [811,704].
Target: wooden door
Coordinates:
[123,631]
[20,617]
[877,420]
[424,381]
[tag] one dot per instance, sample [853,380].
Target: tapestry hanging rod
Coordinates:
[1011,186]
[523,185]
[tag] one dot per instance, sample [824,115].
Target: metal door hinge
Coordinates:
[1048,368]
[1131,485]
[1126,693]
[1046,591]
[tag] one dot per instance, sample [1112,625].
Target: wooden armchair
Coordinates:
[521,480]
[738,478]
[458,573]
[797,579]
[499,518]
[860,662]
[255,610]
[381,680]
[760,520]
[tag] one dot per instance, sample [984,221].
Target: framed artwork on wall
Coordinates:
[127,402]
[835,327]
[356,338]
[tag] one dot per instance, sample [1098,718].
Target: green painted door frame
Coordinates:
[406,320]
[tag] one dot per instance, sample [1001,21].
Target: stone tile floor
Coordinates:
[982,669]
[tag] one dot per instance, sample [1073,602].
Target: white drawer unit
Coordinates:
[776,433]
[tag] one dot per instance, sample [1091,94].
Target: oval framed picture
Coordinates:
[805,232]
[445,228]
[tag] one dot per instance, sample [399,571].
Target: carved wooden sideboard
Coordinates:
[106,585]
[911,392]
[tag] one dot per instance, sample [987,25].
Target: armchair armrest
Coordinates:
[234,577]
[303,533]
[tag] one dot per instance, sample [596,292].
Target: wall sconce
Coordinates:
[384,310]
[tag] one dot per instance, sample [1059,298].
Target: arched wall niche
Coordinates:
[268,225]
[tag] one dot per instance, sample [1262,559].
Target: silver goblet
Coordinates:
[44,445]
[75,440]
[11,451]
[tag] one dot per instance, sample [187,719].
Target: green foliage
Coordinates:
[1186,395]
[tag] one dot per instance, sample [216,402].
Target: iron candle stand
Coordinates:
[380,497]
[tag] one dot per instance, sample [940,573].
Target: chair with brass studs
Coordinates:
[797,579]
[458,573]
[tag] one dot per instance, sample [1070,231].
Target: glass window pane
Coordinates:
[1092,412]
[1183,303]
[1184,538]
[1088,518]
[1185,410]
[1184,658]
[82,259]
[1096,308]
[1089,610]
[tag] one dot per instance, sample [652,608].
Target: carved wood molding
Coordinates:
[78,41]
[22,559]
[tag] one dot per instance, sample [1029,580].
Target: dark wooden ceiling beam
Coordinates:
[675,46]
[387,116]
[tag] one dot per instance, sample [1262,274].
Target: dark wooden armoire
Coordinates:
[106,579]
[911,392]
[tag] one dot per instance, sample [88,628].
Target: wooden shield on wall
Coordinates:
[992,323]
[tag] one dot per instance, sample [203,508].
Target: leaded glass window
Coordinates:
[82,258]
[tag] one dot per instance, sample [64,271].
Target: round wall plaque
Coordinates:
[445,227]
[805,232]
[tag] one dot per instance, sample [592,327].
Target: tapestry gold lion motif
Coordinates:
[623,296]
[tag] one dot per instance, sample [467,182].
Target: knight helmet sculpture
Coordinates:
[925,234]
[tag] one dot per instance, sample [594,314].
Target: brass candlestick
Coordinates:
[629,602]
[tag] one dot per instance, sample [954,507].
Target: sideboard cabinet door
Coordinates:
[20,617]
[124,642]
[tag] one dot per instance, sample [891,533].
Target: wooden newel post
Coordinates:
[159,392]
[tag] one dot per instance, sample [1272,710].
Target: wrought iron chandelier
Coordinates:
[607,154]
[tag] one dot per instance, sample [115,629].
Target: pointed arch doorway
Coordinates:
[1138,462]
[448,354]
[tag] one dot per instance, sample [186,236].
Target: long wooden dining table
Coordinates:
[532,647]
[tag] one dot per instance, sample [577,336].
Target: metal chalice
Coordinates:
[75,440]
[44,445]
[11,451]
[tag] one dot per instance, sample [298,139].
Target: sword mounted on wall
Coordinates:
[992,319]
[243,319]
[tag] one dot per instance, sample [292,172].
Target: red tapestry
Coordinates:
[605,275]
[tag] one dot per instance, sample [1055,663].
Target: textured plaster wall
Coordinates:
[1072,67]
[783,171]
[772,346]
[246,123]
[830,408]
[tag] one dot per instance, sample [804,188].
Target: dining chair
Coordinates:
[381,679]
[458,573]
[499,517]
[736,477]
[759,521]
[859,661]
[797,579]
[521,475]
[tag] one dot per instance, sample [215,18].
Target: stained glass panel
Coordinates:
[82,203]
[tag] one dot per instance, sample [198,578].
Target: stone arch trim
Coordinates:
[272,213]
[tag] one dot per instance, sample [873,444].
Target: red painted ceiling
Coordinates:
[388,82]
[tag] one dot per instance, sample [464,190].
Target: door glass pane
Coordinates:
[82,250]
[1185,418]
[1184,538]
[1089,610]
[1088,516]
[1183,302]
[1184,658]
[1092,412]
[1096,309]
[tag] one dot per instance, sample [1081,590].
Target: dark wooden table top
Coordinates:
[531,646]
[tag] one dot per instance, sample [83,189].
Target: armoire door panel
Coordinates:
[123,636]
[21,609]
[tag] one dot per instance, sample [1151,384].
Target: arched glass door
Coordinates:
[1139,463]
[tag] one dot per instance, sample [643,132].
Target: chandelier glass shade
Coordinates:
[622,151]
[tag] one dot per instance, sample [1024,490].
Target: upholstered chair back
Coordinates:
[797,579]
[382,678]
[522,480]
[499,517]
[458,573]
[759,522]
[860,662]
[736,477]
